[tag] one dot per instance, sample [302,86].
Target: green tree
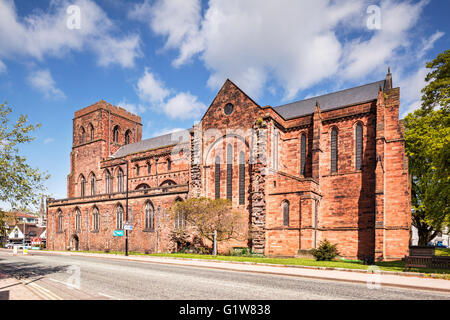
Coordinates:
[428,148]
[207,215]
[20,185]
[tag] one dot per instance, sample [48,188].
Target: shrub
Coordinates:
[325,252]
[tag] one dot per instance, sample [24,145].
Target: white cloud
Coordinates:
[293,44]
[184,106]
[176,20]
[42,34]
[181,105]
[2,67]
[131,107]
[364,56]
[49,140]
[150,89]
[42,81]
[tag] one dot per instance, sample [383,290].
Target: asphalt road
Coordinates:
[101,278]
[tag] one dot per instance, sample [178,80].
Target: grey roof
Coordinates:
[153,143]
[332,100]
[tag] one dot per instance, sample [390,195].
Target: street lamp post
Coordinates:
[126,217]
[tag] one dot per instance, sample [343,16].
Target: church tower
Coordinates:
[99,130]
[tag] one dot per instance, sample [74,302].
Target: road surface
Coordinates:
[80,277]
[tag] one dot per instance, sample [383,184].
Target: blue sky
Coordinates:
[166,60]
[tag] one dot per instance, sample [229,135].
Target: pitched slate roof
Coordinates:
[332,100]
[153,143]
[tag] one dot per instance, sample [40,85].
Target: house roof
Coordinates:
[347,97]
[153,143]
[31,228]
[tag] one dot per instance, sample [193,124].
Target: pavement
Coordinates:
[373,279]
[13,289]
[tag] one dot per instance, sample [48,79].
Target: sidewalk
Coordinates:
[355,276]
[13,289]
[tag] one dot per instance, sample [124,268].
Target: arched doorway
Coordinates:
[74,243]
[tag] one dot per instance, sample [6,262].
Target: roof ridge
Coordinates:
[326,94]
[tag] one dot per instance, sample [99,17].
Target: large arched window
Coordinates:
[93,184]
[302,154]
[60,221]
[217,178]
[285,208]
[242,177]
[91,129]
[229,171]
[120,179]
[82,186]
[77,220]
[149,218]
[127,137]
[116,134]
[95,219]
[119,217]
[108,182]
[334,150]
[359,146]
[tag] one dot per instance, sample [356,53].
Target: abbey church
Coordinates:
[329,167]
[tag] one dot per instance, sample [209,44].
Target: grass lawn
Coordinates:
[442,252]
[398,266]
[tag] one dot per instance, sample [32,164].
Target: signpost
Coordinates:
[128,227]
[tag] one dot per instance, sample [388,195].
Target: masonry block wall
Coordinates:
[252,155]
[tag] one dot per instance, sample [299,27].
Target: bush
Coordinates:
[325,252]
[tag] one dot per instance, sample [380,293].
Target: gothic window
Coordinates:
[127,137]
[302,154]
[95,220]
[60,222]
[108,180]
[91,128]
[169,164]
[137,170]
[120,181]
[82,135]
[116,134]
[142,186]
[229,171]
[82,186]
[241,177]
[149,223]
[285,208]
[275,144]
[334,150]
[149,168]
[180,218]
[78,220]
[217,178]
[93,183]
[119,217]
[359,146]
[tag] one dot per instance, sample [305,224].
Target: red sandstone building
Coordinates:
[330,167]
